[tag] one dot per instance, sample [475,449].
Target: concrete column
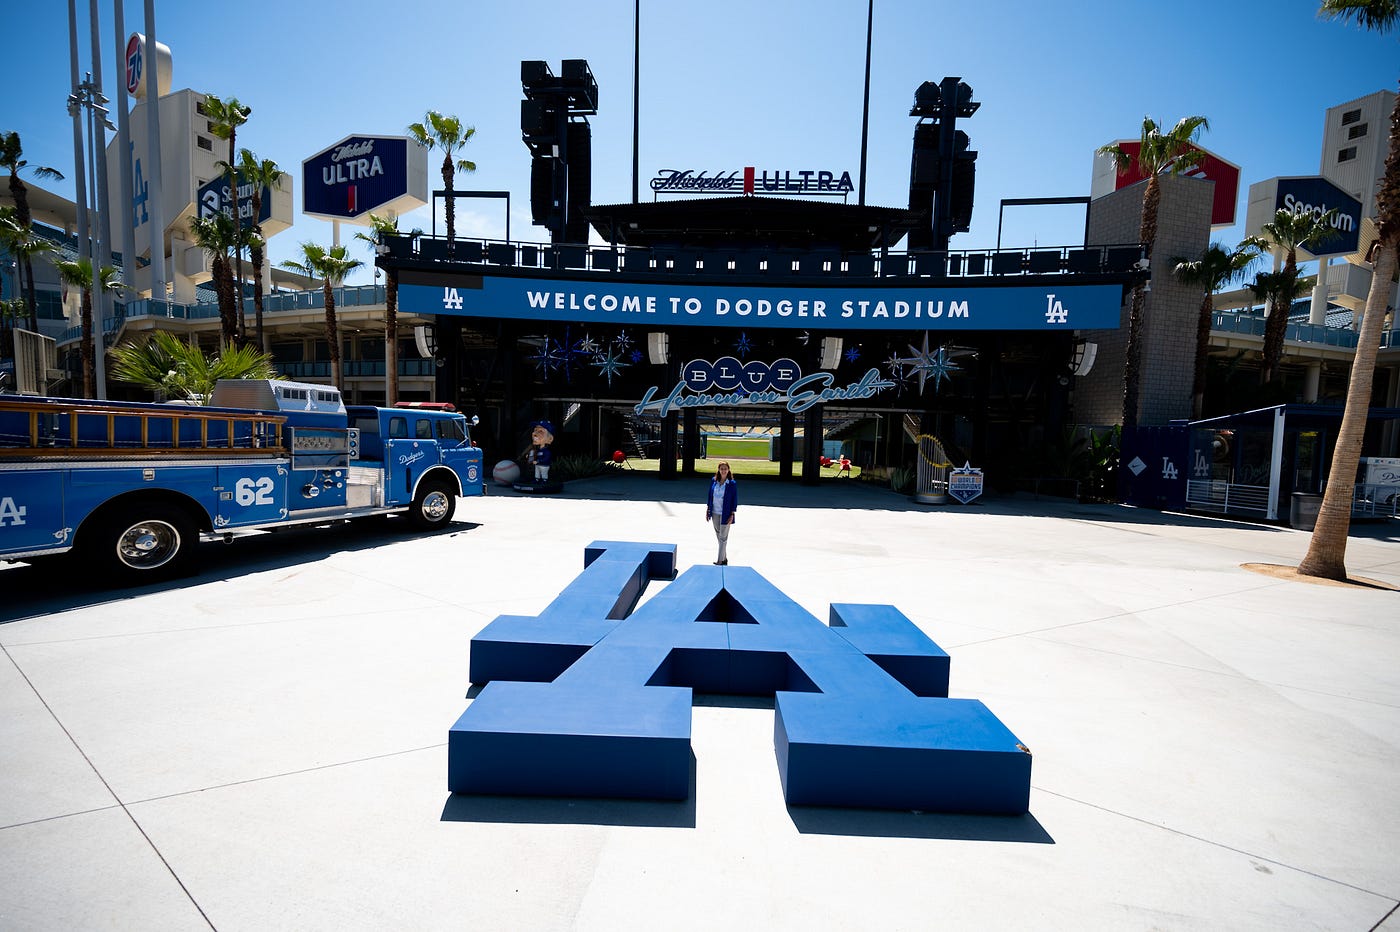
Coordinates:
[1317,311]
[1312,378]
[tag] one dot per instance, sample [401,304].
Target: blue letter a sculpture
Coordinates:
[592,699]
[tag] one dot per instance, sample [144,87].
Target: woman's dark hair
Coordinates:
[724,466]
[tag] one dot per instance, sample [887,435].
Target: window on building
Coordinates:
[204,143]
[1351,116]
[1347,154]
[288,351]
[1356,132]
[199,107]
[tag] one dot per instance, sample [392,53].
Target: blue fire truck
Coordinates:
[132,488]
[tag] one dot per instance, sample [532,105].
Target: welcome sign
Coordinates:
[689,304]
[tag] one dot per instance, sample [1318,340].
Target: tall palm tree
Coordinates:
[1170,152]
[448,134]
[78,274]
[217,236]
[1286,233]
[379,229]
[15,240]
[1326,556]
[331,266]
[176,369]
[261,173]
[225,116]
[1216,268]
[24,244]
[12,160]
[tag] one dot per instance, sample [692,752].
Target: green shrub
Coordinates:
[902,480]
[575,466]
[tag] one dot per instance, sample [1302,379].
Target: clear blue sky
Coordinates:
[727,83]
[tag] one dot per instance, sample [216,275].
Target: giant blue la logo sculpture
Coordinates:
[592,699]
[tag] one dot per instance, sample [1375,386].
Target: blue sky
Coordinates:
[726,84]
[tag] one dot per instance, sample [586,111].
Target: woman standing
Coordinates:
[720,506]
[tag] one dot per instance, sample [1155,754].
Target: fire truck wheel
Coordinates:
[433,507]
[146,542]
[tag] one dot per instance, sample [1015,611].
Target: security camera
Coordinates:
[1142,265]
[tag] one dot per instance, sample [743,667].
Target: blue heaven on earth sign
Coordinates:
[684,304]
[727,382]
[593,699]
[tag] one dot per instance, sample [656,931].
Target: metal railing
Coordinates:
[1227,497]
[278,302]
[1118,259]
[1252,324]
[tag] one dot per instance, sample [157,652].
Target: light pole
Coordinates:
[87,96]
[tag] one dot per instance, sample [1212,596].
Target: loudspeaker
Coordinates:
[658,348]
[831,353]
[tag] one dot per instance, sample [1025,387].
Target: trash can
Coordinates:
[1302,511]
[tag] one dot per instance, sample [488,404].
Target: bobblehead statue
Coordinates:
[540,457]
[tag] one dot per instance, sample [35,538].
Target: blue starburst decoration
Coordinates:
[587,346]
[635,356]
[609,364]
[851,354]
[551,356]
[623,341]
[926,364]
[743,345]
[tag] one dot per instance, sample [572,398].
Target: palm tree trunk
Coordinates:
[391,337]
[1326,556]
[332,334]
[89,359]
[256,254]
[450,208]
[237,234]
[1198,381]
[1132,365]
[30,295]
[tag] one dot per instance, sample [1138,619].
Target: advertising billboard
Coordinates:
[1210,167]
[360,174]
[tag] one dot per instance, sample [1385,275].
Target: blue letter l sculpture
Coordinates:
[592,699]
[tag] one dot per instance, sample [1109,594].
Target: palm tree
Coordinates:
[24,244]
[331,266]
[448,134]
[1276,291]
[12,312]
[1172,152]
[225,116]
[380,228]
[216,235]
[12,159]
[261,173]
[1216,268]
[176,369]
[1326,556]
[78,274]
[1285,233]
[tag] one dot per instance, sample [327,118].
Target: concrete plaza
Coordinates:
[264,746]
